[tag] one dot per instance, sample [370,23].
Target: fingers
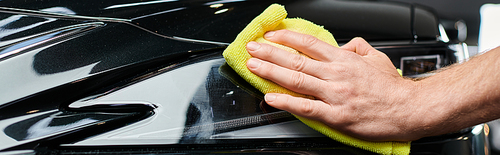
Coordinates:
[285,59]
[307,44]
[296,81]
[313,109]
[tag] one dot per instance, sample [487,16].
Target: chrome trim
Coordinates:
[442,34]
[466,51]
[461,51]
[480,143]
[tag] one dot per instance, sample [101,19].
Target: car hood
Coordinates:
[220,21]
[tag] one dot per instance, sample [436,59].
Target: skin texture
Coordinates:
[359,92]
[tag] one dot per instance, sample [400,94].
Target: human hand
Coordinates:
[357,89]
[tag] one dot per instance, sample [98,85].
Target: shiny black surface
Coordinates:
[204,21]
[114,43]
[194,141]
[56,122]
[432,145]
[90,72]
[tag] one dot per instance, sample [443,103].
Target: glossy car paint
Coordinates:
[78,73]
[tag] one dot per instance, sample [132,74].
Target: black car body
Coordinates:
[147,77]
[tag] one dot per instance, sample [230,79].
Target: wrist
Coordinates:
[416,110]
[428,110]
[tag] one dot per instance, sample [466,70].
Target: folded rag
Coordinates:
[273,18]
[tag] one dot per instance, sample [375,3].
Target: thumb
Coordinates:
[359,46]
[371,55]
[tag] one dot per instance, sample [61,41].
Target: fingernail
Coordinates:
[269,34]
[253,45]
[253,63]
[270,97]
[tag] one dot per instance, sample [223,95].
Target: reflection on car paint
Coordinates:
[204,110]
[24,44]
[137,4]
[42,127]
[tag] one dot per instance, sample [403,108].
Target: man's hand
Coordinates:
[357,88]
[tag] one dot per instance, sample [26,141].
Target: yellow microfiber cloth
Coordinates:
[273,18]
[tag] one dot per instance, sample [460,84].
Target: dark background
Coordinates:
[467,10]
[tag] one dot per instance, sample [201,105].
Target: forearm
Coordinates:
[462,95]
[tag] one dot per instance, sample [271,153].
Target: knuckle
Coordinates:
[282,32]
[308,109]
[308,40]
[339,69]
[298,63]
[269,50]
[266,70]
[349,55]
[345,90]
[263,70]
[280,35]
[297,80]
[343,118]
